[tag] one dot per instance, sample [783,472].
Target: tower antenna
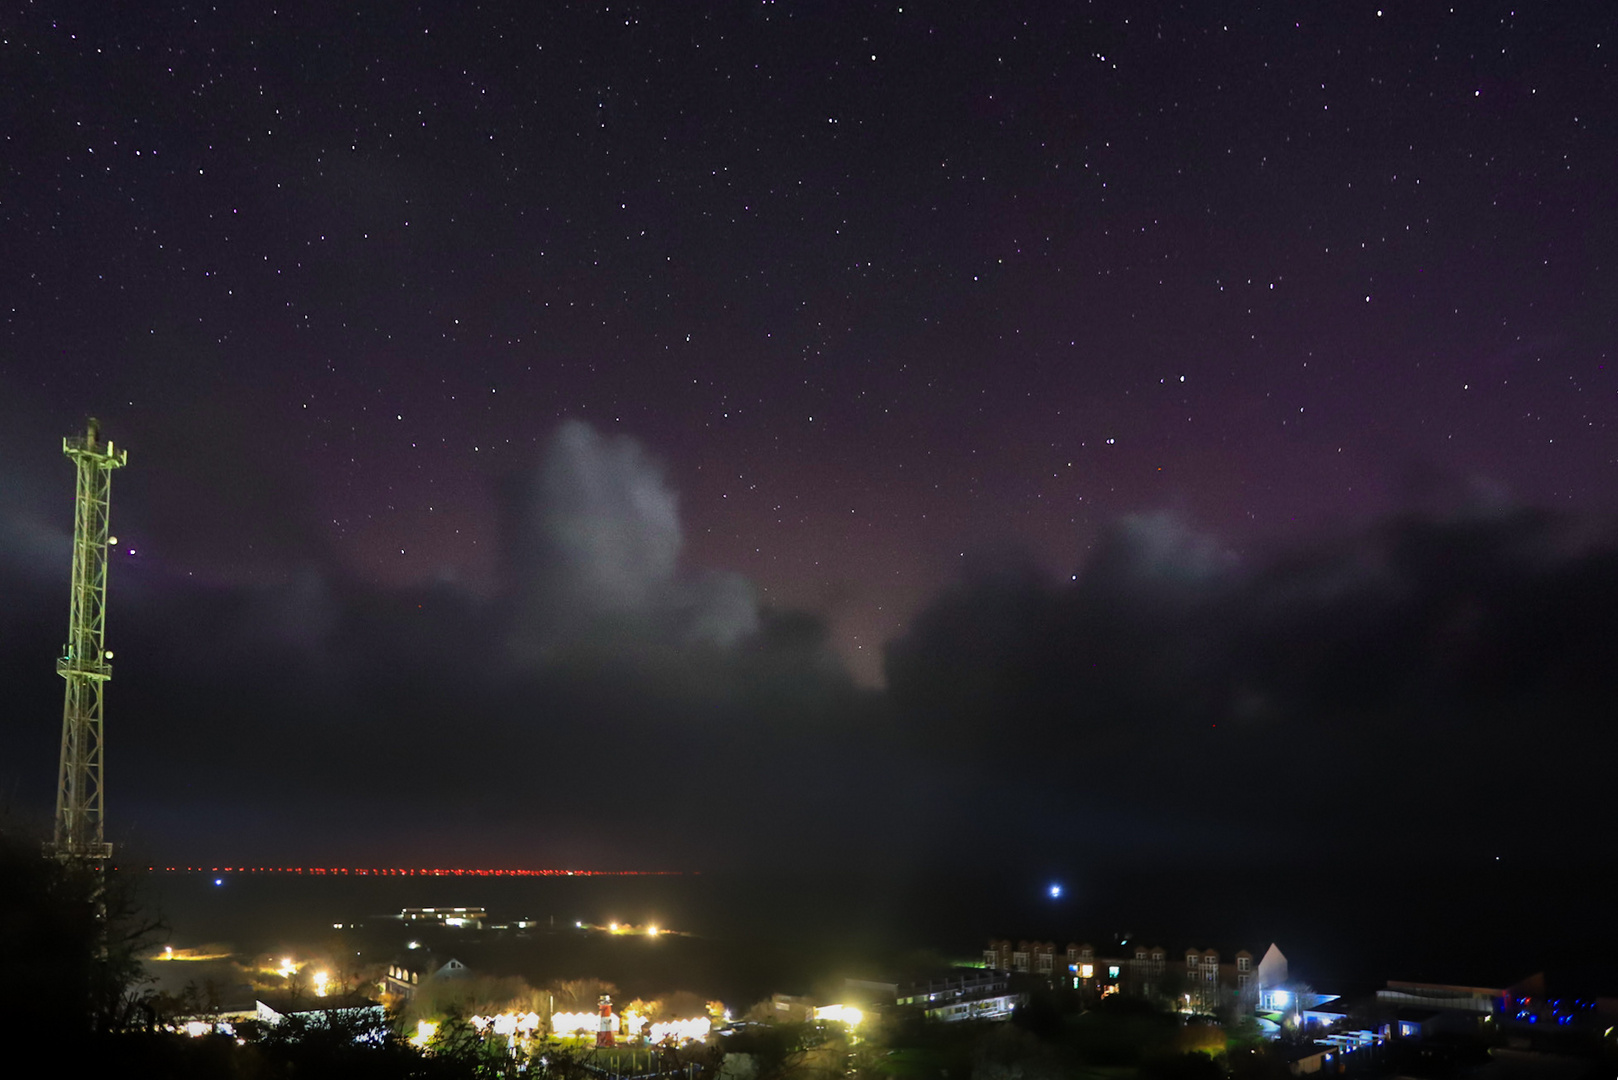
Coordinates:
[79,811]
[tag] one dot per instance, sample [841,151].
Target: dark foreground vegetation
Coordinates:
[71,942]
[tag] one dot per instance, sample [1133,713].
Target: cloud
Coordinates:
[1422,672]
[1161,548]
[1428,669]
[603,542]
[37,547]
[319,713]
[36,498]
[606,521]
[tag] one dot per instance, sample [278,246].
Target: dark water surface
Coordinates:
[1345,924]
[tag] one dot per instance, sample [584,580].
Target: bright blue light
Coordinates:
[218,881]
[1056,892]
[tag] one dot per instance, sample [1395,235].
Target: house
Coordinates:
[1026,958]
[471,918]
[406,974]
[1240,978]
[1209,978]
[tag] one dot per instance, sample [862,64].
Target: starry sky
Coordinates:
[663,370]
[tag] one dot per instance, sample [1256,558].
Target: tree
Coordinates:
[580,995]
[476,995]
[71,940]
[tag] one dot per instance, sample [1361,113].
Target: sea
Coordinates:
[1347,924]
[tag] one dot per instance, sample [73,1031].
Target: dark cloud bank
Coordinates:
[1429,686]
[1436,683]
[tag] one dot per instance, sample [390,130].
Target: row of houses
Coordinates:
[1333,1033]
[1199,979]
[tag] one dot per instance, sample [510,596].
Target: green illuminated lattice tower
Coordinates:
[79,832]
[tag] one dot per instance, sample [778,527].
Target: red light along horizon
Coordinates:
[402,871]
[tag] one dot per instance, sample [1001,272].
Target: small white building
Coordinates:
[468,918]
[354,1011]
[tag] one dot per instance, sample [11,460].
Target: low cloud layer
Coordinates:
[324,717]
[1432,684]
[1448,679]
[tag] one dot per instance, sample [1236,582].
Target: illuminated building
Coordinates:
[792,1009]
[1525,1009]
[1206,981]
[406,974]
[471,918]
[970,995]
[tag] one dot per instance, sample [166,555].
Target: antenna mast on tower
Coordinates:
[79,832]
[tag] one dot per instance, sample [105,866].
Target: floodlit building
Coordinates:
[406,974]
[1208,978]
[1026,958]
[1413,1010]
[792,1008]
[1106,975]
[471,918]
[970,995]
[1479,1000]
[1239,978]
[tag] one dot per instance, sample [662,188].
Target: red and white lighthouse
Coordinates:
[604,1027]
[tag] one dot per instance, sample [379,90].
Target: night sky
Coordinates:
[644,433]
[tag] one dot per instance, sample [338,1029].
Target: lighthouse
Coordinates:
[604,1028]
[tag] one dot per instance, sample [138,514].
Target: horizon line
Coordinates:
[406,871]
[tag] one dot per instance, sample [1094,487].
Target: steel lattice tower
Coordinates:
[79,811]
